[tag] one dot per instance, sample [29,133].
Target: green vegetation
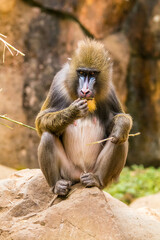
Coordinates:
[135,182]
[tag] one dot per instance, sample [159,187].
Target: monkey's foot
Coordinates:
[62,187]
[89,180]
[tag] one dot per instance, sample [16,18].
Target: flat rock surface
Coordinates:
[27,211]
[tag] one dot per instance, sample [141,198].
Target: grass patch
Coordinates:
[135,181]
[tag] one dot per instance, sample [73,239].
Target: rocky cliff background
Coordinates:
[47,31]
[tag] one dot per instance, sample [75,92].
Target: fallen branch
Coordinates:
[14,121]
[110,138]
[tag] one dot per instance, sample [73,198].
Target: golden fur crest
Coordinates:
[92,54]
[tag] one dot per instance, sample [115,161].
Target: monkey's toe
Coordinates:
[89,180]
[62,187]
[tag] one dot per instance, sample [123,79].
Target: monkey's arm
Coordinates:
[56,121]
[121,123]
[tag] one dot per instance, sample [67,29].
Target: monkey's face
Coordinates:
[86,79]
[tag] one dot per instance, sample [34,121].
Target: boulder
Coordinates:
[27,211]
[151,201]
[48,32]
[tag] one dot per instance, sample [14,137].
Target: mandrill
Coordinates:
[81,108]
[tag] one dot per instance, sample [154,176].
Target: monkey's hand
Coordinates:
[121,128]
[62,187]
[80,107]
[89,180]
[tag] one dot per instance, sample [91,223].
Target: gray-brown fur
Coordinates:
[66,126]
[56,122]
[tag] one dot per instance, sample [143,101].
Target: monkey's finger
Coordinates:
[86,179]
[64,184]
[83,106]
[82,102]
[85,109]
[77,100]
[69,184]
[90,184]
[83,175]
[62,192]
[62,187]
[115,140]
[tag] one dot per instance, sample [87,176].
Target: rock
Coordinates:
[47,42]
[66,7]
[142,30]
[6,171]
[143,101]
[26,213]
[119,48]
[105,19]
[6,6]
[15,143]
[151,201]
[100,21]
[47,33]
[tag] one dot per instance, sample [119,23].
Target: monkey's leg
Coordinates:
[57,169]
[110,162]
[108,166]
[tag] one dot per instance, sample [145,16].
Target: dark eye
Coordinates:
[82,73]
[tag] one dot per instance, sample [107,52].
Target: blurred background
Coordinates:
[47,31]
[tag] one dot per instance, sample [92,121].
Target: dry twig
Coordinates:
[9,47]
[110,138]
[19,123]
